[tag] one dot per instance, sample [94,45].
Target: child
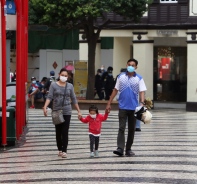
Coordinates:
[95,122]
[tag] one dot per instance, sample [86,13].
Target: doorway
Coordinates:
[170,74]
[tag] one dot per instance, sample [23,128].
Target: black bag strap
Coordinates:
[64,95]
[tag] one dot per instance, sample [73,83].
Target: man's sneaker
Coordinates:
[91,154]
[118,152]
[32,107]
[129,153]
[64,155]
[60,154]
[96,153]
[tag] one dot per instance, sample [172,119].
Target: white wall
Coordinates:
[48,57]
[106,58]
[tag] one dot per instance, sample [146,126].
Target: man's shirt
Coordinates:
[129,88]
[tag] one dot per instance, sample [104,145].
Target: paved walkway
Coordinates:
[166,152]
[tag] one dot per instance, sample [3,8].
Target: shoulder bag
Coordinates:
[57,116]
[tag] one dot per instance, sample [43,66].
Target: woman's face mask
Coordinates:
[33,82]
[63,79]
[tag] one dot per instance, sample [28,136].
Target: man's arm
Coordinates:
[142,97]
[114,93]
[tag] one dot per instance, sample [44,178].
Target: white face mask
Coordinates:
[63,79]
[33,82]
[93,116]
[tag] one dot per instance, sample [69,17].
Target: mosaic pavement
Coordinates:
[166,152]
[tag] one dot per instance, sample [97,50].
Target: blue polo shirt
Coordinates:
[129,88]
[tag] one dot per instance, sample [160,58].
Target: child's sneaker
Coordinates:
[91,154]
[64,155]
[32,107]
[60,154]
[96,153]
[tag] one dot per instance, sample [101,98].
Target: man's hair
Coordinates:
[93,108]
[133,60]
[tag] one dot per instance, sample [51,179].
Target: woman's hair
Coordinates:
[63,70]
[93,108]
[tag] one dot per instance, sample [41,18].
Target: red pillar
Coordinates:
[3,36]
[19,86]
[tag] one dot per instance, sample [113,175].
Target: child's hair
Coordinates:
[93,108]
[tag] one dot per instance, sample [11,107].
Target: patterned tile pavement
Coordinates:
[166,152]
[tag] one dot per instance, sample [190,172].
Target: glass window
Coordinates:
[168,1]
[170,74]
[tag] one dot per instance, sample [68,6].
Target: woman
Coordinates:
[56,93]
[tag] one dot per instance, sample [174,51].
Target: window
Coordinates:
[168,1]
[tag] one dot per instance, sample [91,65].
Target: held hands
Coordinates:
[108,108]
[79,115]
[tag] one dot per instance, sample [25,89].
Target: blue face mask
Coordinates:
[130,69]
[110,74]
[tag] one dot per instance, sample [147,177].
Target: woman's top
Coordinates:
[56,94]
[95,123]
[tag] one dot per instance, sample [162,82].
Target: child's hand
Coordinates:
[79,117]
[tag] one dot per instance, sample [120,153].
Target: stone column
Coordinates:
[121,53]
[191,104]
[143,52]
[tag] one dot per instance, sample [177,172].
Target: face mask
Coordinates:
[33,82]
[130,69]
[102,68]
[93,116]
[63,79]
[109,74]
[99,74]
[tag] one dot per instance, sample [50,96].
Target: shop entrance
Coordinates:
[170,74]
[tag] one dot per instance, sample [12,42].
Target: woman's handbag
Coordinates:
[57,116]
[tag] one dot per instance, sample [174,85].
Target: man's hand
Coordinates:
[108,108]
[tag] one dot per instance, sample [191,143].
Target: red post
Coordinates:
[3,33]
[19,80]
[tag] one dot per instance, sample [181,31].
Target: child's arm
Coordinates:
[84,120]
[105,115]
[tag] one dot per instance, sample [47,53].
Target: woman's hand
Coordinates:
[45,111]
[79,115]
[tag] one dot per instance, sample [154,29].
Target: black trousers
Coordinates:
[62,134]
[93,140]
[123,115]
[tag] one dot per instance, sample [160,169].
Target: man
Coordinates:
[131,87]
[108,82]
[34,91]
[47,85]
[98,85]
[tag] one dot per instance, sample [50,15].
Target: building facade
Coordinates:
[164,43]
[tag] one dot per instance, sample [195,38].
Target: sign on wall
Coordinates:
[80,79]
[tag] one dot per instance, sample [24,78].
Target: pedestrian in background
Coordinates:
[98,86]
[56,93]
[131,88]
[95,120]
[108,82]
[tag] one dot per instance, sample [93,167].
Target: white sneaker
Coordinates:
[64,155]
[91,154]
[96,153]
